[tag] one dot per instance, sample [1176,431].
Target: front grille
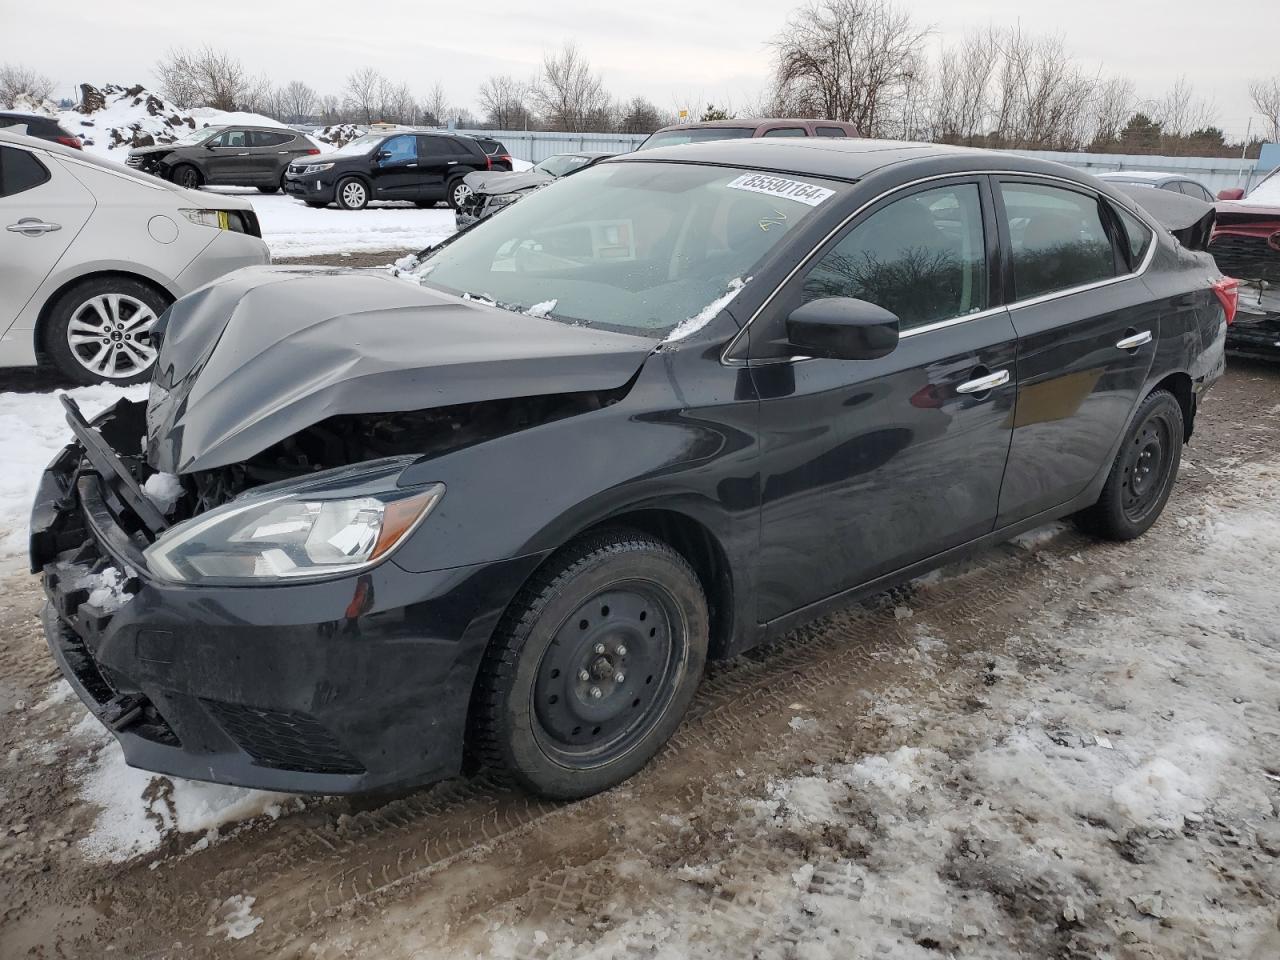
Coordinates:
[1249,258]
[134,161]
[283,740]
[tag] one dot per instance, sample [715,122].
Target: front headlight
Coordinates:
[290,535]
[502,199]
[315,168]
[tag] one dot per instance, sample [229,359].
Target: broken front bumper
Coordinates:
[338,686]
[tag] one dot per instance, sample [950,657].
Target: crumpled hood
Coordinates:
[267,351]
[158,148]
[492,183]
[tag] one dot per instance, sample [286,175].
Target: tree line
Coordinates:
[869,62]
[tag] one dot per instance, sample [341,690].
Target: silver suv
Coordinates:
[91,253]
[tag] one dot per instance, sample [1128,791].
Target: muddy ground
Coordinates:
[469,868]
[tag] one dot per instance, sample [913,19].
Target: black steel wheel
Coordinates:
[593,666]
[1143,473]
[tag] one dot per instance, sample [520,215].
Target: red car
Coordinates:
[1246,245]
[745,130]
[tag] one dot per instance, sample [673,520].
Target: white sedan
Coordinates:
[92,253]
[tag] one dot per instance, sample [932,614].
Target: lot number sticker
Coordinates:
[805,193]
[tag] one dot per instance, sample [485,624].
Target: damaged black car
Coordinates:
[371,530]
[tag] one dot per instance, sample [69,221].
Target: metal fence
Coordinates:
[1216,173]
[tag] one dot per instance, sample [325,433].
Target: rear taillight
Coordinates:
[69,142]
[488,162]
[505,157]
[313,152]
[1227,290]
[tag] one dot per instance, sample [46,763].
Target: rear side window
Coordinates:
[921,257]
[1137,236]
[261,138]
[786,132]
[831,132]
[19,171]
[1058,239]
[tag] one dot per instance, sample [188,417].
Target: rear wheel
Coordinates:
[457,193]
[592,667]
[185,175]
[1142,474]
[352,194]
[99,331]
[268,189]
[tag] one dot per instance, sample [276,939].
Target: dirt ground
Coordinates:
[681,860]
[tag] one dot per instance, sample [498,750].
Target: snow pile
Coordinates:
[35,428]
[111,119]
[708,313]
[337,134]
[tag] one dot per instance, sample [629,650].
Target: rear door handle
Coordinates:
[453,163]
[1134,341]
[241,154]
[983,384]
[32,227]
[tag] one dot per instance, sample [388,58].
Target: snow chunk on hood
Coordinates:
[708,313]
[164,490]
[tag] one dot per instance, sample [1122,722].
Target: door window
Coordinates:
[262,138]
[1057,238]
[831,132]
[19,171]
[922,257]
[402,149]
[786,132]
[233,138]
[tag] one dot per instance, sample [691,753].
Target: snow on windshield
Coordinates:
[1267,193]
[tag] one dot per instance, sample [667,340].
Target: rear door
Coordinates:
[42,208]
[1087,331]
[886,462]
[269,153]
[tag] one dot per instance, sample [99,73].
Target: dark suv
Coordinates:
[401,165]
[43,128]
[225,156]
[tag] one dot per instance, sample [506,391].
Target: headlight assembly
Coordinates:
[290,535]
[315,168]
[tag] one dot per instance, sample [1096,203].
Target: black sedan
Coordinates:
[491,192]
[658,412]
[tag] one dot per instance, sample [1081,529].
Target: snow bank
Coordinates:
[35,427]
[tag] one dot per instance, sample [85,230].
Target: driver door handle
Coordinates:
[32,227]
[1135,341]
[983,384]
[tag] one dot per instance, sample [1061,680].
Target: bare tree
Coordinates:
[851,60]
[962,88]
[435,108]
[298,101]
[363,93]
[203,78]
[396,103]
[569,94]
[1265,95]
[17,81]
[330,109]
[1180,113]
[503,100]
[640,116]
[1113,104]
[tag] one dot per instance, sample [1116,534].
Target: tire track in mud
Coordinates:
[310,869]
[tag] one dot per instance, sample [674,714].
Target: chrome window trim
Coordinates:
[728,361]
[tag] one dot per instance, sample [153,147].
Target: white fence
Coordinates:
[1216,173]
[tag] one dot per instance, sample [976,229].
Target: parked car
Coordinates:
[1246,244]
[660,411]
[38,126]
[746,129]
[92,253]
[236,156]
[491,191]
[403,165]
[1171,182]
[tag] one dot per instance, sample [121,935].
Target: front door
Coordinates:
[229,156]
[42,208]
[887,462]
[1087,332]
[396,171]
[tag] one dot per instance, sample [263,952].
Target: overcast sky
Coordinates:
[673,51]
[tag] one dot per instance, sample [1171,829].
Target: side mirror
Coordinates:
[382,155]
[1235,193]
[841,328]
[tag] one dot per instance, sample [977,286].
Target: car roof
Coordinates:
[1136,176]
[839,158]
[585,153]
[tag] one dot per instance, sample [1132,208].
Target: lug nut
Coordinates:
[619,677]
[621,650]
[584,676]
[599,648]
[596,693]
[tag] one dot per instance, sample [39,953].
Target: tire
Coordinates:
[98,330]
[352,193]
[549,710]
[268,189]
[457,192]
[185,175]
[425,204]
[1143,473]
[316,204]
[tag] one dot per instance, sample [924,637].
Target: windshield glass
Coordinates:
[561,164]
[632,247]
[360,145]
[671,138]
[199,136]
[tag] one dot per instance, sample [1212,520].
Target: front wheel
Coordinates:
[187,176]
[352,194]
[458,193]
[593,666]
[1142,474]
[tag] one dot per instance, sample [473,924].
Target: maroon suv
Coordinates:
[745,130]
[1246,245]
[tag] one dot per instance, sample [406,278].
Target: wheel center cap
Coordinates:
[601,668]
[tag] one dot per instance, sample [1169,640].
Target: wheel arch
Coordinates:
[51,301]
[1179,384]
